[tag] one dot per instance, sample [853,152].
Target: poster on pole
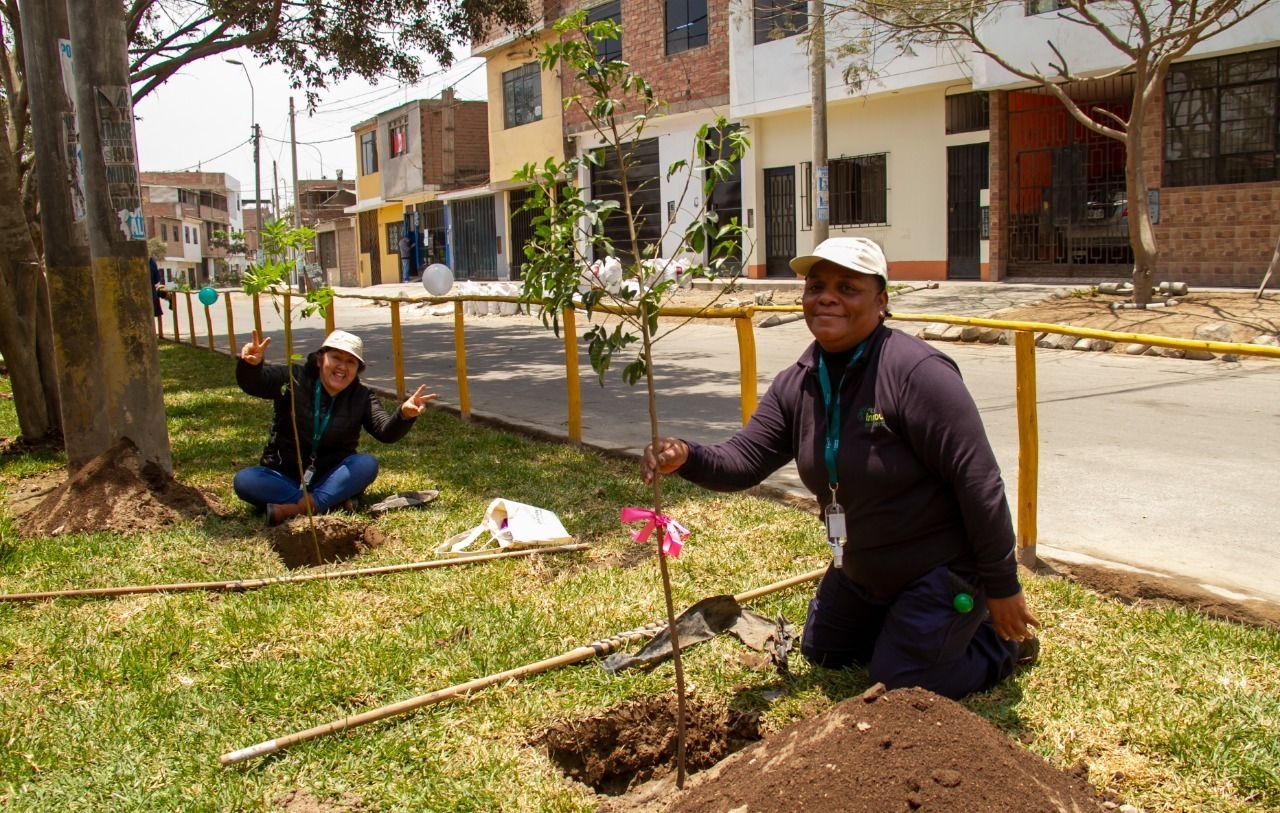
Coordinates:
[119,154]
[71,135]
[820,198]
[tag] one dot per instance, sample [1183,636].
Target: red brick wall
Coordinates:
[471,143]
[1210,235]
[998,101]
[348,257]
[691,79]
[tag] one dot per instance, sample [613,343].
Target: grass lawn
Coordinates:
[126,704]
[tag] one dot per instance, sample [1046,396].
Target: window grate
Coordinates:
[859,191]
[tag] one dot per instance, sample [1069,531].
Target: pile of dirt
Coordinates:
[337,539]
[118,492]
[635,742]
[906,750]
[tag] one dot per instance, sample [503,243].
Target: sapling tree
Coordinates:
[278,240]
[572,228]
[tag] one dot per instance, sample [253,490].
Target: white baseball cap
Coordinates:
[855,253]
[346,342]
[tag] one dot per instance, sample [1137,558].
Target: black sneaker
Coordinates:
[1028,652]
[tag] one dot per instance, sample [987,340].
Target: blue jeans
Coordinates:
[259,485]
[406,268]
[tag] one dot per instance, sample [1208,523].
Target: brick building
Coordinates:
[184,209]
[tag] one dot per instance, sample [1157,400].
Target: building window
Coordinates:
[186,234]
[858,191]
[399,137]
[1035,7]
[686,25]
[522,95]
[1223,120]
[607,50]
[368,153]
[164,232]
[779,19]
[394,232]
[967,113]
[195,235]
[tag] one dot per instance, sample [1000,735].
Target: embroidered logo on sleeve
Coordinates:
[870,417]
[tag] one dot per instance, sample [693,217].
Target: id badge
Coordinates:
[834,519]
[311,472]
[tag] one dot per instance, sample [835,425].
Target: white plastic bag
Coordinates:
[508,525]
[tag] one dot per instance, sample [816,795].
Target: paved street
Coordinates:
[1163,464]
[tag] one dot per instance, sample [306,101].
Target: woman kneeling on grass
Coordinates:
[923,588]
[331,405]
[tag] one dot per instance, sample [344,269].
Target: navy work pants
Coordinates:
[917,638]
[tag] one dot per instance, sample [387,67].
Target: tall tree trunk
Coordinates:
[1141,234]
[21,281]
[128,356]
[74,354]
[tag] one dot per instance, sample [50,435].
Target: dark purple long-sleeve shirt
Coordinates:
[918,481]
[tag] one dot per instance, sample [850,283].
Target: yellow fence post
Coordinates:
[1028,446]
[191,320]
[328,316]
[747,365]
[173,305]
[460,354]
[397,349]
[257,315]
[208,325]
[571,375]
[231,325]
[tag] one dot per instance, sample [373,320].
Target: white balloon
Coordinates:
[437,279]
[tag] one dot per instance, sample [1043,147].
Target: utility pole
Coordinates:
[818,90]
[275,189]
[128,358]
[293,150]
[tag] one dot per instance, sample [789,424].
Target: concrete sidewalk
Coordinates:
[1164,465]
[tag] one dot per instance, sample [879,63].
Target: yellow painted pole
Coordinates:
[208,324]
[173,305]
[231,325]
[460,354]
[1028,446]
[397,349]
[191,320]
[747,366]
[257,315]
[328,316]
[571,375]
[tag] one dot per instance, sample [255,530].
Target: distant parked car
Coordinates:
[1101,234]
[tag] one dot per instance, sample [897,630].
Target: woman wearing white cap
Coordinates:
[923,587]
[331,406]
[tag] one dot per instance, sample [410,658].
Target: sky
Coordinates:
[202,119]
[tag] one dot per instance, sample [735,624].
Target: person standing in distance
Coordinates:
[406,257]
[923,587]
[331,406]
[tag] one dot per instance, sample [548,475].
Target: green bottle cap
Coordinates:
[963,602]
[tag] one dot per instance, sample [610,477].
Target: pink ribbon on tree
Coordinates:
[673,532]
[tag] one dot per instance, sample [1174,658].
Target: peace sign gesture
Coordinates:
[255,350]
[416,403]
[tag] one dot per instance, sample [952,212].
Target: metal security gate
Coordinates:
[369,245]
[521,230]
[968,168]
[475,238]
[779,221]
[1068,212]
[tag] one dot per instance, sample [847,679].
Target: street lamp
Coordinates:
[257,168]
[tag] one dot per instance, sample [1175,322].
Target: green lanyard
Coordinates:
[317,425]
[831,400]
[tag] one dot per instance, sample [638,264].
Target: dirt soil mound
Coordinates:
[119,492]
[337,539]
[906,750]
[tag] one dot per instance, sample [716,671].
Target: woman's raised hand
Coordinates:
[254,350]
[416,403]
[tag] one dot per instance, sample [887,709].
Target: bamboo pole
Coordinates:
[191,320]
[572,385]
[257,315]
[582,653]
[239,585]
[329,318]
[397,349]
[208,324]
[747,374]
[460,355]
[231,326]
[173,305]
[1028,446]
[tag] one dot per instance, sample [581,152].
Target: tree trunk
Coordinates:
[21,295]
[129,361]
[1141,233]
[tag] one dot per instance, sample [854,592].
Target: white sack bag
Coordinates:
[508,525]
